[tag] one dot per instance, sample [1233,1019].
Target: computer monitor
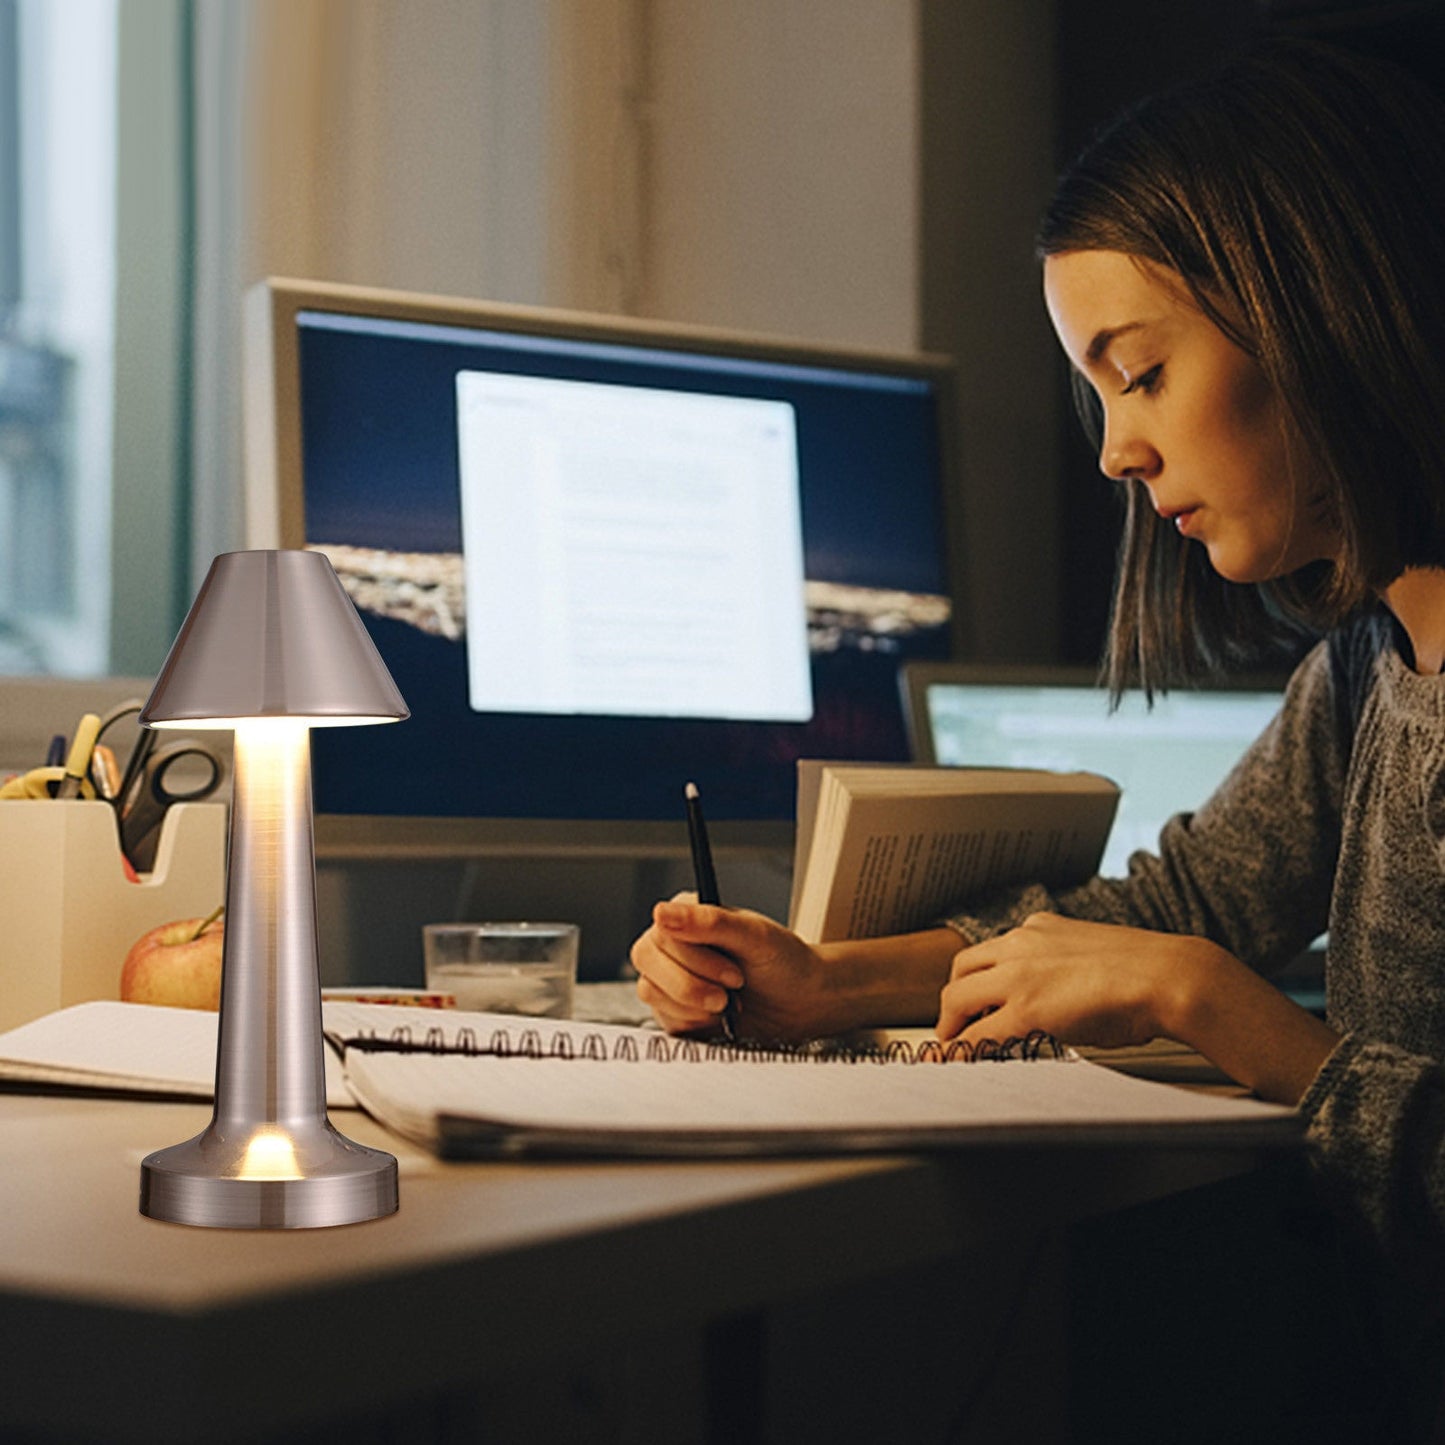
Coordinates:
[1167,759]
[602,558]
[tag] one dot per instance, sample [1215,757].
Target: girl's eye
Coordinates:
[1147,381]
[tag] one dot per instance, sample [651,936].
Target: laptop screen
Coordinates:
[1167,759]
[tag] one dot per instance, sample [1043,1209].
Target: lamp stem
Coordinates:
[269,1061]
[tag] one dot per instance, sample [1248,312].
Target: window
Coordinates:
[95,296]
[57,314]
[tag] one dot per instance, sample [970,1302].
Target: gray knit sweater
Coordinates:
[1334,817]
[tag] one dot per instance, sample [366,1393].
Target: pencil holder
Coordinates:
[69,914]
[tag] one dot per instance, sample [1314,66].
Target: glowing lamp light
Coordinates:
[272,647]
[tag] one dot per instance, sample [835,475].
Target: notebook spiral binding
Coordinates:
[665,1048]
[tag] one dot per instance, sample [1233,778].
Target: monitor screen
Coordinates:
[601,557]
[1167,758]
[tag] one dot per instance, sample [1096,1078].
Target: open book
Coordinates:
[471,1085]
[885,849]
[133,1050]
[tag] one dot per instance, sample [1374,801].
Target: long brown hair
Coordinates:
[1300,189]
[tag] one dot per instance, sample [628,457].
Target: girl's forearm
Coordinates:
[882,982]
[1243,1024]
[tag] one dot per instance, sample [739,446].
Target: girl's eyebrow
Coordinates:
[1104,339]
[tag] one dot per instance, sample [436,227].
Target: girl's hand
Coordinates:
[1085,983]
[695,952]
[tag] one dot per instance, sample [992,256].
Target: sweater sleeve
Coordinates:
[1376,1119]
[1251,869]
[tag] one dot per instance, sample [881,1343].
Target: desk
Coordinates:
[117,1328]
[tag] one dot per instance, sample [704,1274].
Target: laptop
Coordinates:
[1167,759]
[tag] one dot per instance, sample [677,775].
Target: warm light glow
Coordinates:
[270,1155]
[273,785]
[226,724]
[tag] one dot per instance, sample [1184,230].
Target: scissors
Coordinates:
[139,748]
[179,772]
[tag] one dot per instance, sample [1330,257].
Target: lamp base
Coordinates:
[268,1177]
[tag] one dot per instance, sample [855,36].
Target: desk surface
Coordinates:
[161,1324]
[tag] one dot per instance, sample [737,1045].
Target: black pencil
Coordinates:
[706,880]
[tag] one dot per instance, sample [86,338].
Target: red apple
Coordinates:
[178,964]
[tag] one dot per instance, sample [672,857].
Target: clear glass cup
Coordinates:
[512,968]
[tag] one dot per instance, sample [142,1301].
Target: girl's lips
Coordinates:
[1178,515]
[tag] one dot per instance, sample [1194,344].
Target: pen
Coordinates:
[77,765]
[707,890]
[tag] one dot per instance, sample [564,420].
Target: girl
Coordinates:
[1248,277]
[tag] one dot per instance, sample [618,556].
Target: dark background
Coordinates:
[1109,53]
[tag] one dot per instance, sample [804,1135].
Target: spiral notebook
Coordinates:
[472,1086]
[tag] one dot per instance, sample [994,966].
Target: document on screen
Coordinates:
[631,551]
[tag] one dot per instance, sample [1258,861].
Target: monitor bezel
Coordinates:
[275,517]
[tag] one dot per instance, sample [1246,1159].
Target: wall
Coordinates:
[987,157]
[783,169]
[398,144]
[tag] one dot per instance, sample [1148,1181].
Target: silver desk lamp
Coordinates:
[271,648]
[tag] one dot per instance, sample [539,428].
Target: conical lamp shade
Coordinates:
[273,634]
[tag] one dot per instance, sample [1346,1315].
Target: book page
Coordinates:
[131,1048]
[810,781]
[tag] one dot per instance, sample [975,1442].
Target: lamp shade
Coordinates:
[273,634]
